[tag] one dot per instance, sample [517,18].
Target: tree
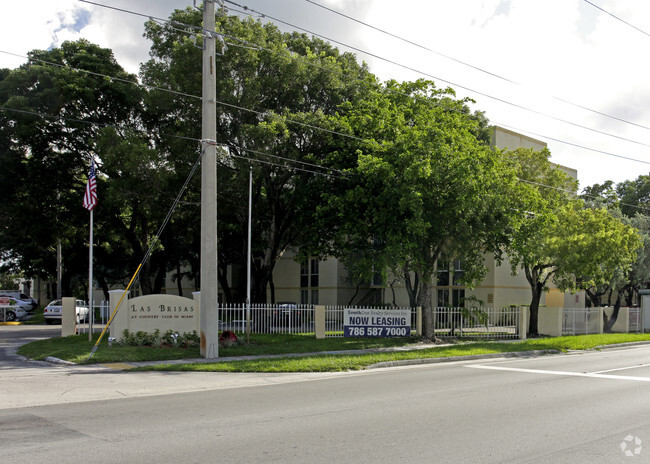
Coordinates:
[626,282]
[257,116]
[561,241]
[423,185]
[634,194]
[51,115]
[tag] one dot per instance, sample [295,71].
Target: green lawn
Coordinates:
[76,348]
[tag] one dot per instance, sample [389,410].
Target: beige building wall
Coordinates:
[506,139]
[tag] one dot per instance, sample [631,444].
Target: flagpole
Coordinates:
[90,282]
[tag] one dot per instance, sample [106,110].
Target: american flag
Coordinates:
[90,196]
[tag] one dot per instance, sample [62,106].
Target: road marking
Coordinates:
[621,368]
[562,373]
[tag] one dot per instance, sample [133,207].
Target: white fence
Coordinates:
[283,318]
[584,321]
[100,315]
[477,322]
[581,321]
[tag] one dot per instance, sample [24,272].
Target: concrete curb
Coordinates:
[511,354]
[53,360]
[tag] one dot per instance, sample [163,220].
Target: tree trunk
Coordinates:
[102,283]
[533,327]
[533,275]
[412,287]
[425,300]
[179,279]
[612,320]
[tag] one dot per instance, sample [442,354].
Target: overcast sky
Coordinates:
[544,68]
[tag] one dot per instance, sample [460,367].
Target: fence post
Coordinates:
[196,296]
[121,320]
[418,320]
[319,321]
[523,322]
[601,320]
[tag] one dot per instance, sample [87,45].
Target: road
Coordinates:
[573,408]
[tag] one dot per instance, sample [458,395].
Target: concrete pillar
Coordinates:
[69,316]
[601,321]
[120,321]
[319,321]
[209,312]
[523,322]
[418,321]
[196,296]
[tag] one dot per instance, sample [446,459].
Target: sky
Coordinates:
[561,71]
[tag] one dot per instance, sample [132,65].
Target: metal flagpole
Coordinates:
[90,201]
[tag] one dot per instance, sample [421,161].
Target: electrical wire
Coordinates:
[617,18]
[334,174]
[264,15]
[577,105]
[349,136]
[249,11]
[106,125]
[152,245]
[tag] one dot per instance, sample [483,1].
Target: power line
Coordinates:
[617,18]
[249,11]
[265,114]
[192,139]
[162,89]
[361,51]
[335,172]
[471,65]
[96,74]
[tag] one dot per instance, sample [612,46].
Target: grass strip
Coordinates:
[337,363]
[76,348]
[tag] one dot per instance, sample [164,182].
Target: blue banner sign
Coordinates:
[377,322]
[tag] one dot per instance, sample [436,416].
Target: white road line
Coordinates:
[622,368]
[562,373]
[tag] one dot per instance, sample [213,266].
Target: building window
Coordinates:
[451,291]
[309,281]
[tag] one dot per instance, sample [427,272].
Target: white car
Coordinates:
[29,304]
[26,304]
[10,311]
[53,311]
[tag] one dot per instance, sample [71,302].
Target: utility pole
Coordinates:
[209,290]
[59,269]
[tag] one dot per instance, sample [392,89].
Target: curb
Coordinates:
[53,360]
[511,354]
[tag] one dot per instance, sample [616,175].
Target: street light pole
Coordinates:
[248,260]
[209,313]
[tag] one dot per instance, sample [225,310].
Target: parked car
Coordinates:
[22,300]
[286,314]
[11,311]
[20,296]
[53,311]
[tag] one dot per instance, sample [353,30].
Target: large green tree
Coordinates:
[274,89]
[561,241]
[53,108]
[626,282]
[423,185]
